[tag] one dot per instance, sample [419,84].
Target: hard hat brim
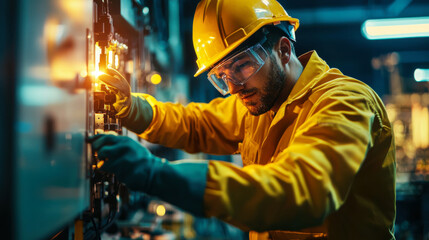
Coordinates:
[233,46]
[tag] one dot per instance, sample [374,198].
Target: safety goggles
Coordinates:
[237,69]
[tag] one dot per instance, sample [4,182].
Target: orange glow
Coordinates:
[96,72]
[99,164]
[116,61]
[110,63]
[84,73]
[420,123]
[73,9]
[129,66]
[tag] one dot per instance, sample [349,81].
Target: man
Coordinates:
[316,145]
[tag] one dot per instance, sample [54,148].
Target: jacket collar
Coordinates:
[314,68]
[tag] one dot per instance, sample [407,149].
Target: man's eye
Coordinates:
[220,75]
[242,65]
[245,64]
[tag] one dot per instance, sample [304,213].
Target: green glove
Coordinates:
[122,90]
[181,183]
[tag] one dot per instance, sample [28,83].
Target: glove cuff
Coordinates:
[181,183]
[139,116]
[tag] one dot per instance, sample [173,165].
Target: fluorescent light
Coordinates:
[396,28]
[421,75]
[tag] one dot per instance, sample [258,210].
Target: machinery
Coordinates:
[51,56]
[409,114]
[108,50]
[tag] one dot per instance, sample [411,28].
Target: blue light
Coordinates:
[396,28]
[421,75]
[145,10]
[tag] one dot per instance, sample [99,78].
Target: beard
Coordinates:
[270,92]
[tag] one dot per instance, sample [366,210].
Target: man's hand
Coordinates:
[122,90]
[132,163]
[181,183]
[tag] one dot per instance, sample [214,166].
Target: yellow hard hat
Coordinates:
[221,26]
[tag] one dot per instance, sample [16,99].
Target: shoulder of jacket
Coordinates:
[342,85]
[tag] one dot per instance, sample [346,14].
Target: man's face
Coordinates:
[261,92]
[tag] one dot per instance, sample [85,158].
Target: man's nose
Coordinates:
[233,88]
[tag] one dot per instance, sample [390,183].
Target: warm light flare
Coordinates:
[100,164]
[110,63]
[74,8]
[83,73]
[160,210]
[116,61]
[155,78]
[97,73]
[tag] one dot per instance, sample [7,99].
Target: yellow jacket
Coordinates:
[323,164]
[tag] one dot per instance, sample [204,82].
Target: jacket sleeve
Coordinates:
[307,181]
[215,128]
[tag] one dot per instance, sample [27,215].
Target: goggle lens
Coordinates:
[238,69]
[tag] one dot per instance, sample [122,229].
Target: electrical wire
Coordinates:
[97,233]
[112,208]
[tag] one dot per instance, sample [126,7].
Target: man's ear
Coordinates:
[284,49]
